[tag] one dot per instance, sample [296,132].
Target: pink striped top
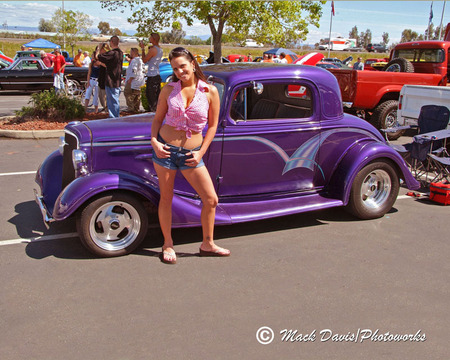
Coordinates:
[192,118]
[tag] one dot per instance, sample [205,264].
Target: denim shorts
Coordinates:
[177,158]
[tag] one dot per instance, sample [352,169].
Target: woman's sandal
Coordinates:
[221,252]
[169,257]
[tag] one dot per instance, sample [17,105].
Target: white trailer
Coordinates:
[413,97]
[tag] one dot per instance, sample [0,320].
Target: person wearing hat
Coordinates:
[59,63]
[87,60]
[78,59]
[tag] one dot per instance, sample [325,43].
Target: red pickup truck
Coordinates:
[374,95]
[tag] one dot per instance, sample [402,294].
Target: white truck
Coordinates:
[413,97]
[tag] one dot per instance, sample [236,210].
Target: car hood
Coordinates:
[123,129]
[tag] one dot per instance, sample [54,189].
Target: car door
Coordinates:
[271,140]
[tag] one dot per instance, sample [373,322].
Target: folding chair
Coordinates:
[431,118]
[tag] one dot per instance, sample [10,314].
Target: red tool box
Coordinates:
[440,192]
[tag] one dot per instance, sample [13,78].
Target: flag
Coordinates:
[332,7]
[431,12]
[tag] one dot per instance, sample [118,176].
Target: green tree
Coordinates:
[175,36]
[116,32]
[70,25]
[409,35]
[353,34]
[276,22]
[385,37]
[46,26]
[104,27]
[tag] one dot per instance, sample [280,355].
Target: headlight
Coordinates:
[79,159]
[62,143]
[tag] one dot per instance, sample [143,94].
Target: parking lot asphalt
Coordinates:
[324,275]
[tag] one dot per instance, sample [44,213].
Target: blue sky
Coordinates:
[378,16]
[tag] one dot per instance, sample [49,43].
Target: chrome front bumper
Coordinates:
[45,215]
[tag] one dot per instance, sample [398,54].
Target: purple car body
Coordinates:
[283,146]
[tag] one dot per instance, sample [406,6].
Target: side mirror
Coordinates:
[258,88]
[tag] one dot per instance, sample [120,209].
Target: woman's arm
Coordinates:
[161,111]
[213,119]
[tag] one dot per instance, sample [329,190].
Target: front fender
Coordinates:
[83,188]
[359,156]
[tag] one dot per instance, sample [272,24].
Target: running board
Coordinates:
[258,210]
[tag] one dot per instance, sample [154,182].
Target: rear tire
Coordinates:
[374,191]
[385,117]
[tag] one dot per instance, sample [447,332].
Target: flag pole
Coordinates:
[429,21]
[331,24]
[442,19]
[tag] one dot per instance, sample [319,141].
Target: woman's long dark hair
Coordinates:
[181,51]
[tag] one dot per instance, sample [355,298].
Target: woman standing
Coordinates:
[187,105]
[92,81]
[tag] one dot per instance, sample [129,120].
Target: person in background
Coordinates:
[102,77]
[359,65]
[47,60]
[267,58]
[92,82]
[133,81]
[283,59]
[152,59]
[59,63]
[250,58]
[113,60]
[78,58]
[87,60]
[23,47]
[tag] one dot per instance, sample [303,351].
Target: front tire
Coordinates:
[374,191]
[112,225]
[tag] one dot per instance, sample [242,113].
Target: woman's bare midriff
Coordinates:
[176,137]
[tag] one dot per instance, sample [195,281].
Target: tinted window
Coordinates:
[421,55]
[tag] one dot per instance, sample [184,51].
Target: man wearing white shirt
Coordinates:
[87,60]
[134,80]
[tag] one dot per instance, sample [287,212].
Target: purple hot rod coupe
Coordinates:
[283,146]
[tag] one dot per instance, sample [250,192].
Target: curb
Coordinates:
[30,134]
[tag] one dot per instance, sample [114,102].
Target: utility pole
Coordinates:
[64,26]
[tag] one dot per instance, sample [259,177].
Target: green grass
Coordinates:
[9,48]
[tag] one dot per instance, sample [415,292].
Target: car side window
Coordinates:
[276,101]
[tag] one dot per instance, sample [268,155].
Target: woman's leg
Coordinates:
[200,180]
[166,178]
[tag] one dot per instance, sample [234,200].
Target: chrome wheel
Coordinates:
[376,188]
[115,226]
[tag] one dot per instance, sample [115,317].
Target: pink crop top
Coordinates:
[192,118]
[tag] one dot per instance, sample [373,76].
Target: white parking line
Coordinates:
[37,239]
[73,235]
[18,173]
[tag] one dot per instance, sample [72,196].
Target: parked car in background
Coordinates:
[413,97]
[283,146]
[327,65]
[31,74]
[373,63]
[379,48]
[251,43]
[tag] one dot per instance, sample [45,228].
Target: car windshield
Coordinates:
[219,85]
[421,55]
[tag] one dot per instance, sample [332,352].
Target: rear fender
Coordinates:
[359,156]
[83,188]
